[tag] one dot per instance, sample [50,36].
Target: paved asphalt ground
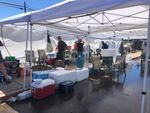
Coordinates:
[93,97]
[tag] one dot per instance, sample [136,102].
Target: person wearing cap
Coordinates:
[104,45]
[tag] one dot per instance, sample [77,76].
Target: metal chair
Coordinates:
[42,57]
[67,57]
[119,66]
[28,57]
[107,66]
[98,52]
[96,64]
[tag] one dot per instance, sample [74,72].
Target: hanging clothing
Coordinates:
[49,47]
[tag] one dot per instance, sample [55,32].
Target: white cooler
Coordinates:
[82,74]
[63,75]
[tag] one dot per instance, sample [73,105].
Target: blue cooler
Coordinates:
[80,60]
[40,75]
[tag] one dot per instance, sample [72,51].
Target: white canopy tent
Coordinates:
[70,8]
[93,13]
[73,9]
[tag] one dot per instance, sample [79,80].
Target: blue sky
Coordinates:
[6,11]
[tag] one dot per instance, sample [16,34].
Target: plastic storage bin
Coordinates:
[66,87]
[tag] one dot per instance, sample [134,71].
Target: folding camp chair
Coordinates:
[28,57]
[42,59]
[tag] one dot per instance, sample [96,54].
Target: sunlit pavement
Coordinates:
[5,108]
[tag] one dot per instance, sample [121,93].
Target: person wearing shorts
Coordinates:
[3,69]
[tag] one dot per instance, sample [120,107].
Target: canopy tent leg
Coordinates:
[30,53]
[146,67]
[25,65]
[87,48]
[88,45]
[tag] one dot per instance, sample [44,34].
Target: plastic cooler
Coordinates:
[10,58]
[80,61]
[61,75]
[51,61]
[82,74]
[42,89]
[40,75]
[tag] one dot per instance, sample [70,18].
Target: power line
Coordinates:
[22,7]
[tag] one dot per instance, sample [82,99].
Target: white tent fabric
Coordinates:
[18,33]
[15,39]
[71,8]
[68,27]
[112,22]
[25,17]
[78,7]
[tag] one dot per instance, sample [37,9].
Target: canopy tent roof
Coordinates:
[103,16]
[70,8]
[115,21]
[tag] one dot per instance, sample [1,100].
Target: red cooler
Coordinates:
[43,88]
[51,61]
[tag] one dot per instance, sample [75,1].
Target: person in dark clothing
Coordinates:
[79,44]
[1,44]
[61,48]
[104,45]
[121,49]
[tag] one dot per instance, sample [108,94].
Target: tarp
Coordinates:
[71,8]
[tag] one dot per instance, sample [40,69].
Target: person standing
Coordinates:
[3,69]
[121,49]
[79,44]
[61,49]
[104,45]
[80,56]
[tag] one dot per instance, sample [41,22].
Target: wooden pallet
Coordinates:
[5,108]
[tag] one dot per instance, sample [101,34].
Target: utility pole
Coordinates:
[25,7]
[17,6]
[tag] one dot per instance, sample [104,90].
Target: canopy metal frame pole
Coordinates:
[31,53]
[125,16]
[87,47]
[146,68]
[25,65]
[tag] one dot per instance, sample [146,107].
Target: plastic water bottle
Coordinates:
[24,95]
